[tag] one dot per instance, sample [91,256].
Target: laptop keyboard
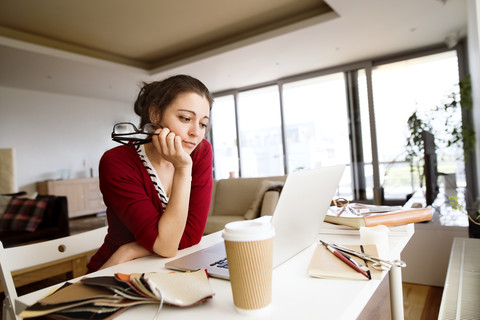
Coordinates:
[220,263]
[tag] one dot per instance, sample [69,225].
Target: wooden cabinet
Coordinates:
[83,195]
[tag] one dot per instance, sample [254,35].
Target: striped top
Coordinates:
[153,175]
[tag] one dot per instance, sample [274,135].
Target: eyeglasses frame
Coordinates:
[121,137]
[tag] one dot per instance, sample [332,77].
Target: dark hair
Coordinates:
[160,94]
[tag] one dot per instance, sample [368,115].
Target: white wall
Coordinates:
[54,135]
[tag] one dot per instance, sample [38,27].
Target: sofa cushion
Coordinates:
[233,197]
[270,200]
[23,214]
[256,206]
[217,223]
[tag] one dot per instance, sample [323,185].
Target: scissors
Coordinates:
[378,263]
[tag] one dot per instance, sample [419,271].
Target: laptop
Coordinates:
[301,208]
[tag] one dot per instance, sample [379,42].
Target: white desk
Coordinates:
[295,294]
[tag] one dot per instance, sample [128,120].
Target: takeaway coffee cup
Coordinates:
[249,246]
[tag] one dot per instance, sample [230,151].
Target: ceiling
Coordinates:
[103,49]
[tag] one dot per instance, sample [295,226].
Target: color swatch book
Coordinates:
[105,297]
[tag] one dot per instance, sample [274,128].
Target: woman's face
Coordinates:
[187,116]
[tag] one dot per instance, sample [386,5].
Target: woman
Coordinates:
[158,193]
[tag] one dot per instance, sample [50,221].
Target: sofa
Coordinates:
[43,218]
[242,199]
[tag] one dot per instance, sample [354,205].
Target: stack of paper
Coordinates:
[326,265]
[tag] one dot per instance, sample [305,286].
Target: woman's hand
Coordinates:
[169,146]
[126,252]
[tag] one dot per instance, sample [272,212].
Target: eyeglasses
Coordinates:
[127,133]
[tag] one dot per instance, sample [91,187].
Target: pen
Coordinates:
[359,266]
[347,260]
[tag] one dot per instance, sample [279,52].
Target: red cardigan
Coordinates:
[133,205]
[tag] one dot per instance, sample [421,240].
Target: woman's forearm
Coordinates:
[171,225]
[126,252]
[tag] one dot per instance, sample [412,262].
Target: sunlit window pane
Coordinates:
[316,125]
[259,124]
[400,89]
[225,155]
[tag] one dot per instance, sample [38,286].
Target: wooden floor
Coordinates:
[420,302]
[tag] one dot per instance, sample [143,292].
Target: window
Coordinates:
[316,125]
[259,123]
[323,119]
[224,133]
[399,89]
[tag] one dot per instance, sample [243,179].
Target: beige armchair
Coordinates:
[242,199]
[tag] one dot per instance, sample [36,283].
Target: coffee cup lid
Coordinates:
[248,230]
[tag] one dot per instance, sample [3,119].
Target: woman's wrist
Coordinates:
[132,251]
[184,171]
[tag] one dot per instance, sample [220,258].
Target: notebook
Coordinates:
[301,208]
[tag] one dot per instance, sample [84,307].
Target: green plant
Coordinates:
[445,123]
[458,206]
